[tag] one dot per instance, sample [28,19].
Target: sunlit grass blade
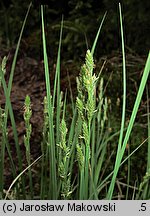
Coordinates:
[51,146]
[131,122]
[148,122]
[98,33]
[15,57]
[20,175]
[120,153]
[57,88]
[124,83]
[111,188]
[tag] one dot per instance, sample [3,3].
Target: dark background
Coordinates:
[81,22]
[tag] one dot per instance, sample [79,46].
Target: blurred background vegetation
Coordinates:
[81,21]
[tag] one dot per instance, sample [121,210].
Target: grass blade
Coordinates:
[98,33]
[51,146]
[131,122]
[111,188]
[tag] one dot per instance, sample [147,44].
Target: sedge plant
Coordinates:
[74,152]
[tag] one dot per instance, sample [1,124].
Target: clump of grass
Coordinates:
[73,161]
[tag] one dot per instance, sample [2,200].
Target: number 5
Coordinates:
[143,206]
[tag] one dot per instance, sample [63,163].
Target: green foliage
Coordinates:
[74,156]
